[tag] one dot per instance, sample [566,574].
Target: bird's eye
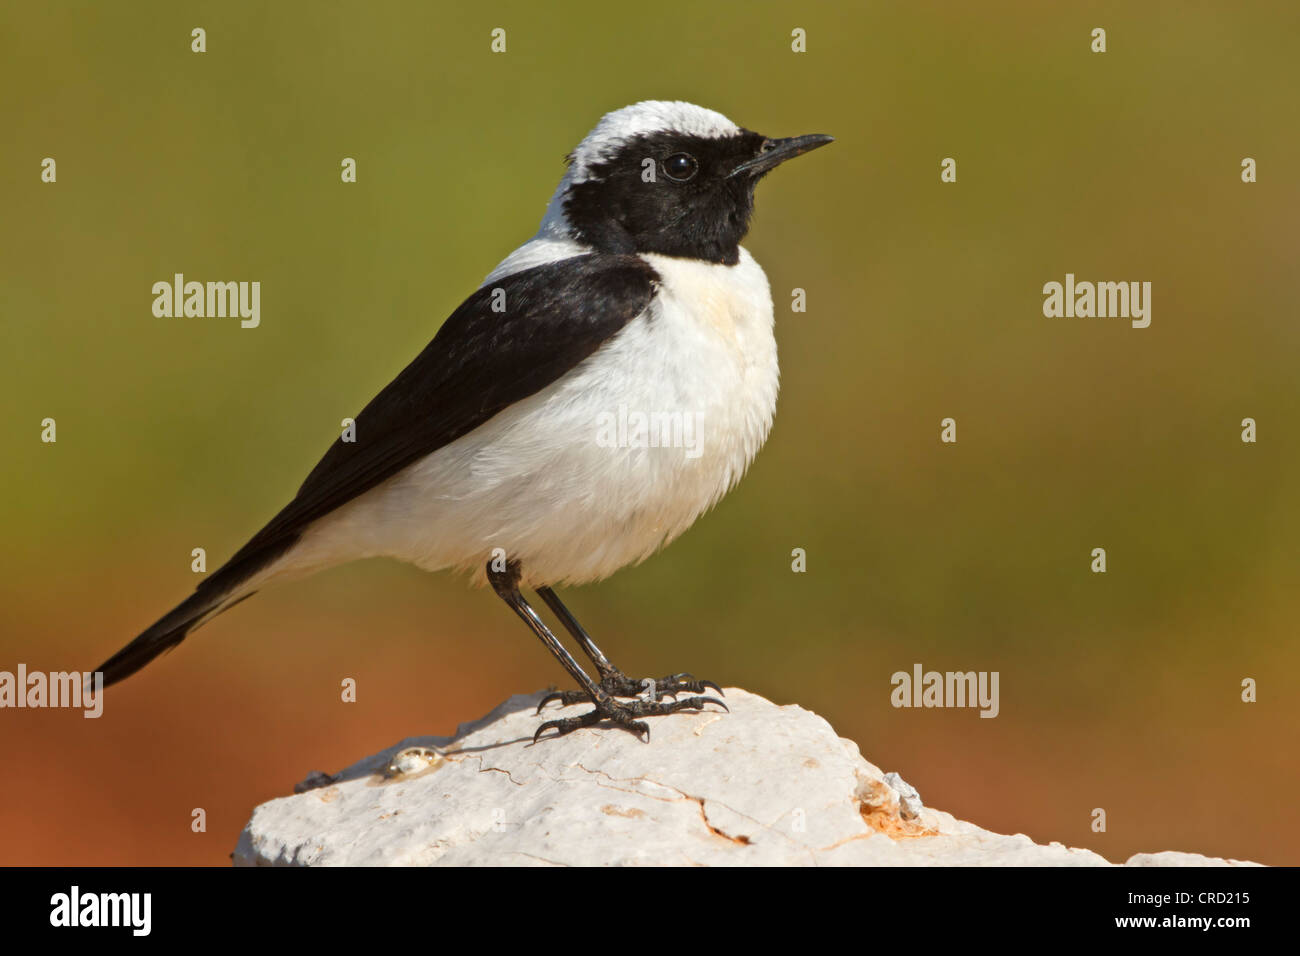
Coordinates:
[680,167]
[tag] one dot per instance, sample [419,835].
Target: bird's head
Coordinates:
[666,177]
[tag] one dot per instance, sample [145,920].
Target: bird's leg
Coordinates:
[612,680]
[603,665]
[506,584]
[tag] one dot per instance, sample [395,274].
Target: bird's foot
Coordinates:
[623,714]
[648,701]
[617,684]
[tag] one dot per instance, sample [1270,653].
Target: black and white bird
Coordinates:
[493,451]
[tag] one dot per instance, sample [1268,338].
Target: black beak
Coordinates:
[777,151]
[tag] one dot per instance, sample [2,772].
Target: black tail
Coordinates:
[219,592]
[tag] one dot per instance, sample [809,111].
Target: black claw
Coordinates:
[565,697]
[699,703]
[567,725]
[545,727]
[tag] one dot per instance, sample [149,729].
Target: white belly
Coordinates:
[564,481]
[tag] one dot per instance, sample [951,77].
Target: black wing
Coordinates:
[480,362]
[549,319]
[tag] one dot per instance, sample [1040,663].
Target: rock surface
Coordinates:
[762,785]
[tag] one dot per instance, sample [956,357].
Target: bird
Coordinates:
[604,386]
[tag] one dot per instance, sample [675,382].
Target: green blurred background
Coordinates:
[1119,691]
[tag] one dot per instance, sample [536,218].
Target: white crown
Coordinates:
[651,116]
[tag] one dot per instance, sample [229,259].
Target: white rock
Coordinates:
[1178,858]
[762,785]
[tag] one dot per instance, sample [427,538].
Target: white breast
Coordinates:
[564,481]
